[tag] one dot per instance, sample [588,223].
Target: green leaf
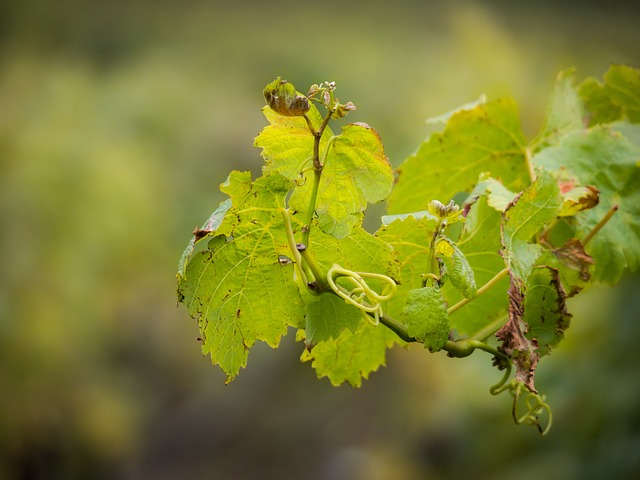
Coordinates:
[237,288]
[411,239]
[578,199]
[531,211]
[545,311]
[565,112]
[282,97]
[287,142]
[618,97]
[352,356]
[356,170]
[328,315]
[480,243]
[486,138]
[604,158]
[458,268]
[425,315]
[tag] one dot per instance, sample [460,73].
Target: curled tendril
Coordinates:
[534,404]
[362,296]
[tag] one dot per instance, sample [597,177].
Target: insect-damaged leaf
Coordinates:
[237,288]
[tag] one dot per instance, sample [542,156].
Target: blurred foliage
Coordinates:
[117,122]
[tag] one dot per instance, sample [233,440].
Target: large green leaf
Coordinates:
[487,138]
[606,159]
[565,112]
[618,97]
[238,288]
[537,206]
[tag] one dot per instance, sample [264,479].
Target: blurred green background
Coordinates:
[118,121]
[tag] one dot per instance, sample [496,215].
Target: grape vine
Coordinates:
[486,234]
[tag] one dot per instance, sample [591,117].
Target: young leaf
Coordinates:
[425,316]
[606,159]
[355,169]
[237,288]
[533,209]
[486,138]
[545,311]
[356,172]
[460,272]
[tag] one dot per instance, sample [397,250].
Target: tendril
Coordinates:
[535,406]
[362,296]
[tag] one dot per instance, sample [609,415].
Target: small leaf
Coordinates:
[425,315]
[579,199]
[460,272]
[533,209]
[449,213]
[282,97]
[498,196]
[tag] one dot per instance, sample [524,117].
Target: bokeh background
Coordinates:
[118,121]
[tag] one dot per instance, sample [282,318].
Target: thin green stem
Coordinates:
[498,276]
[291,241]
[317,173]
[600,224]
[488,330]
[396,327]
[530,168]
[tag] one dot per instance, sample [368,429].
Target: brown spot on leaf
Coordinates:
[572,255]
[522,351]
